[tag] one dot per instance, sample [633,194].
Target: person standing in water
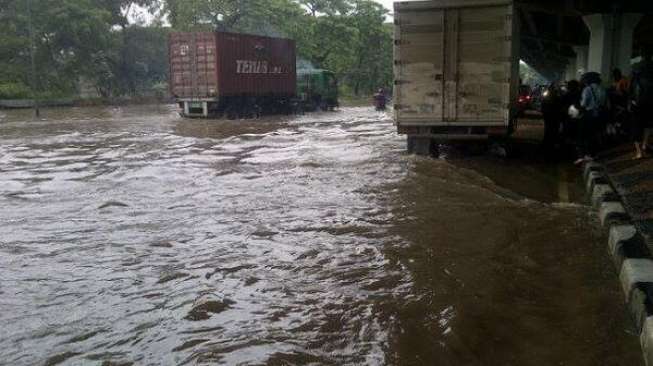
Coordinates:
[594,103]
[552,113]
[641,104]
[380,100]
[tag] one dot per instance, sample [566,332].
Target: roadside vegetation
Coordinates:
[82,45]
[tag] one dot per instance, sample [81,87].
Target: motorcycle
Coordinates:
[380,102]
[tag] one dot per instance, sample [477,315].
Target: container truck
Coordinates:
[317,88]
[456,71]
[217,73]
[214,74]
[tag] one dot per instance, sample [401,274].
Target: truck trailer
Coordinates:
[220,73]
[215,74]
[456,71]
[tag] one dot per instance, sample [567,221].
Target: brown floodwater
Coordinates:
[132,236]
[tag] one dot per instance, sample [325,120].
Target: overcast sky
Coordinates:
[389,3]
[386,3]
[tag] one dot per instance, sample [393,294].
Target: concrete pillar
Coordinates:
[625,42]
[571,72]
[611,41]
[599,57]
[582,53]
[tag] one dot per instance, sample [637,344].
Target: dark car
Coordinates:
[524,100]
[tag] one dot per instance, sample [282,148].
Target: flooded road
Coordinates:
[131,236]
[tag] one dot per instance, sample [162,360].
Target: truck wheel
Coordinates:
[502,148]
[231,113]
[422,146]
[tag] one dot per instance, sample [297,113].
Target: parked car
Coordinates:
[524,99]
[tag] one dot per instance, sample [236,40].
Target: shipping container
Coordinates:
[217,73]
[456,70]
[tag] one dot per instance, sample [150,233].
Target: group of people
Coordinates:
[588,116]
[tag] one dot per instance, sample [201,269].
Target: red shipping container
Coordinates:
[214,65]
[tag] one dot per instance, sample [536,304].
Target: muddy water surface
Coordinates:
[131,236]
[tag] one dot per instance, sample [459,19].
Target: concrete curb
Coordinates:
[628,249]
[612,212]
[601,193]
[592,167]
[646,340]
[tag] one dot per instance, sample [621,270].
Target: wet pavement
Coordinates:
[132,236]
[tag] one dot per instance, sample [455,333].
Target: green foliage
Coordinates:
[225,15]
[120,8]
[77,40]
[92,40]
[67,34]
[14,91]
[328,7]
[144,59]
[160,89]
[372,65]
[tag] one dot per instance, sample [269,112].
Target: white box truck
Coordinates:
[456,69]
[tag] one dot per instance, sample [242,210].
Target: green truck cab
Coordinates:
[317,88]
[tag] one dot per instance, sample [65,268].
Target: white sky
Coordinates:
[386,3]
[389,4]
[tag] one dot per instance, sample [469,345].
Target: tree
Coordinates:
[226,15]
[93,39]
[68,33]
[325,7]
[145,60]
[371,46]
[80,39]
[119,9]
[14,55]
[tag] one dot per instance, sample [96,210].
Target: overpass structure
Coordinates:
[562,39]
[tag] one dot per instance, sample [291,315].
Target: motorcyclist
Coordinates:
[380,100]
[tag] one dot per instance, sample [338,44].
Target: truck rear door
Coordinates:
[455,63]
[481,73]
[193,65]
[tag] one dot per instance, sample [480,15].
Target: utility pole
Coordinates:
[34,78]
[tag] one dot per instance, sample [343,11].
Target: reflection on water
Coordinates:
[133,236]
